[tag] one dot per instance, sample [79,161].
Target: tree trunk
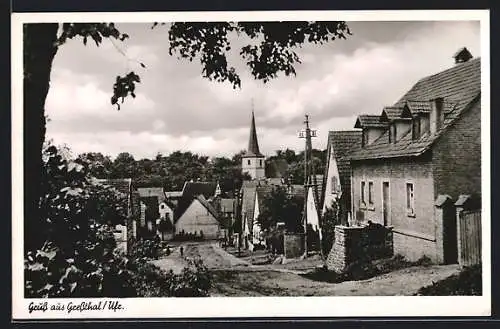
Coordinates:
[39,51]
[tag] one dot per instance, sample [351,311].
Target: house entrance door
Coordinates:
[385,202]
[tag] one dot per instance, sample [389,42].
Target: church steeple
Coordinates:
[253,143]
[253,162]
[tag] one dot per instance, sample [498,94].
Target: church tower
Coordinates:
[253,162]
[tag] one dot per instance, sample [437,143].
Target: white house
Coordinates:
[337,178]
[199,218]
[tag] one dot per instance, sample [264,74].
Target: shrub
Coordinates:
[151,281]
[144,249]
[467,283]
[72,252]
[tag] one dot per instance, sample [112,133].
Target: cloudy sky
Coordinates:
[176,109]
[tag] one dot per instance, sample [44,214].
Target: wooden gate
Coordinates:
[470,237]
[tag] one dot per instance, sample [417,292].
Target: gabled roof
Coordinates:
[390,113]
[123,185]
[192,190]
[208,206]
[253,143]
[424,107]
[369,121]
[460,86]
[342,143]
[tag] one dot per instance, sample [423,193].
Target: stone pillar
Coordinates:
[337,258]
[442,205]
[464,202]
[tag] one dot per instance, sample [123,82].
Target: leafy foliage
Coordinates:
[194,280]
[468,282]
[328,221]
[271,52]
[76,256]
[280,206]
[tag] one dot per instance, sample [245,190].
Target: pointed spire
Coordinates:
[253,144]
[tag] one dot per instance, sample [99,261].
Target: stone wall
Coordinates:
[293,245]
[359,243]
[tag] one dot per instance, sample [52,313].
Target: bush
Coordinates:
[144,249]
[72,248]
[467,283]
[151,281]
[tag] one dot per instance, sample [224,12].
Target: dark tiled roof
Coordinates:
[390,113]
[192,190]
[343,143]
[460,86]
[369,121]
[253,143]
[416,107]
[248,203]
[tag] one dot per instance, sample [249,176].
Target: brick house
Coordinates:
[337,177]
[429,150]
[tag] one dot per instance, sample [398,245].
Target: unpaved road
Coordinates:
[237,277]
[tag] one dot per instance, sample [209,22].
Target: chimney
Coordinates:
[462,55]
[437,114]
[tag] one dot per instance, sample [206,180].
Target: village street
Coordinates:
[235,276]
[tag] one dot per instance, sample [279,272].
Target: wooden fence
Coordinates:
[469,244]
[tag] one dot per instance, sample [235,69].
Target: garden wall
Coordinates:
[293,245]
[359,243]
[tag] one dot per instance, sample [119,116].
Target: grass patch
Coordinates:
[466,283]
[363,270]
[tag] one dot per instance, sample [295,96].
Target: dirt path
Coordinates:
[273,283]
[236,277]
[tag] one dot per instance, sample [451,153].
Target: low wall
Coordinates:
[359,243]
[293,245]
[413,247]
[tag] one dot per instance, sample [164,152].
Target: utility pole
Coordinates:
[308,170]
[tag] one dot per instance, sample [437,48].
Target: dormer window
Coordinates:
[364,141]
[392,133]
[416,129]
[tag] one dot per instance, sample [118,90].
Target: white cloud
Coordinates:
[334,84]
[73,96]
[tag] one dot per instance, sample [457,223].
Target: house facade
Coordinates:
[199,219]
[337,179]
[430,150]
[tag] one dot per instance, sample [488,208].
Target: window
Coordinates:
[248,162]
[363,203]
[335,184]
[370,193]
[415,128]
[410,199]
[364,140]
[260,163]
